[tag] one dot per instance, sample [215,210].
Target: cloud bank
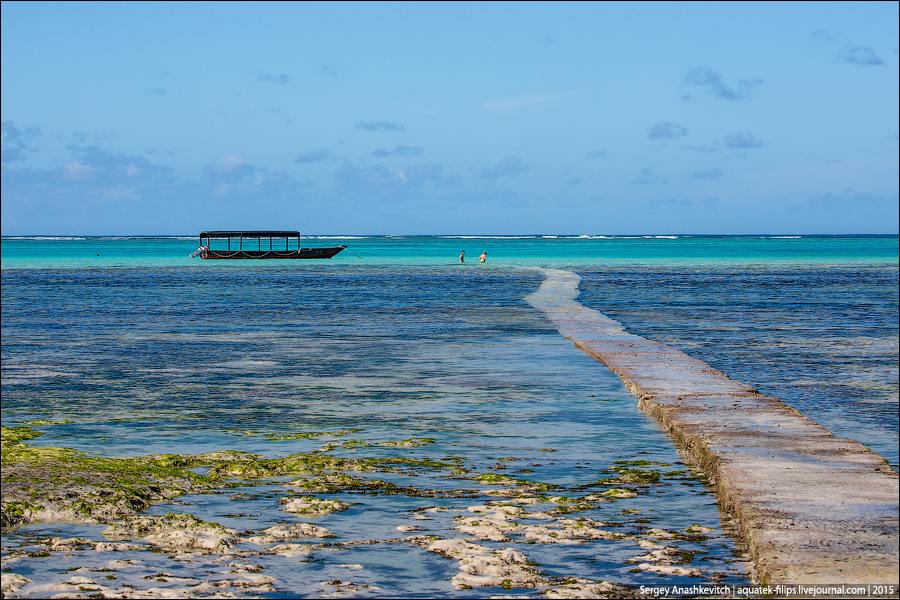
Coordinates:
[739,141]
[399,151]
[379,126]
[712,81]
[666,130]
[16,142]
[644,177]
[859,55]
[709,173]
[314,156]
[510,166]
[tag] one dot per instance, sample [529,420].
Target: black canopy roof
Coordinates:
[249,234]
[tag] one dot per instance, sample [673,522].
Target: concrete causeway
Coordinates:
[812,508]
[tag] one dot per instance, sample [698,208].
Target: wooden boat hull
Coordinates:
[273,254]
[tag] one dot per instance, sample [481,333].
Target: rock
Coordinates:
[289,533]
[309,505]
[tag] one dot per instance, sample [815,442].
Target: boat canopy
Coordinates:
[249,234]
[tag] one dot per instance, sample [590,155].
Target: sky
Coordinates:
[450,118]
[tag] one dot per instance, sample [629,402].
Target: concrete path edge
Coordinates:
[811,508]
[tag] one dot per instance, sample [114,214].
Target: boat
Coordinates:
[269,244]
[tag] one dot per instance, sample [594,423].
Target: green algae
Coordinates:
[49,483]
[145,525]
[84,487]
[109,489]
[310,505]
[494,478]
[294,436]
[640,463]
[253,466]
[334,483]
[637,476]
[525,485]
[573,508]
[618,493]
[409,443]
[331,483]
[627,475]
[15,435]
[174,532]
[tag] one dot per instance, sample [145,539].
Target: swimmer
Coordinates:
[462,256]
[483,256]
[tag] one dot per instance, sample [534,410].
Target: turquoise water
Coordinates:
[140,350]
[558,252]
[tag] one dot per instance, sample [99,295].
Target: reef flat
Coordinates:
[470,529]
[47,484]
[812,508]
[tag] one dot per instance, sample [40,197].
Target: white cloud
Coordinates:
[712,81]
[379,126]
[859,55]
[709,173]
[739,141]
[228,169]
[507,167]
[313,156]
[121,193]
[645,176]
[78,171]
[666,130]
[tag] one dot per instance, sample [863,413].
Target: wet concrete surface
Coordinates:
[811,508]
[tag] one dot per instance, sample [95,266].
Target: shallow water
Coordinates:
[823,339]
[141,361]
[143,351]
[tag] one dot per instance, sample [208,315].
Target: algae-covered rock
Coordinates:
[618,493]
[60,484]
[330,483]
[636,476]
[669,570]
[174,531]
[480,566]
[288,533]
[10,436]
[291,550]
[309,505]
[492,522]
[245,470]
[409,443]
[496,479]
[333,483]
[585,588]
[11,583]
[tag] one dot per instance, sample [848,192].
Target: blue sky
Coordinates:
[733,118]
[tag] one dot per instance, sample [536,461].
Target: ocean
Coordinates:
[500,456]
